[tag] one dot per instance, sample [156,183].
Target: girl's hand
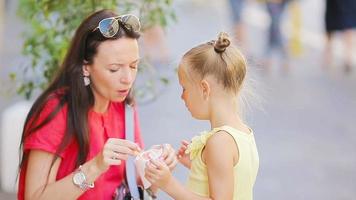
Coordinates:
[114,151]
[182,156]
[158,173]
[169,156]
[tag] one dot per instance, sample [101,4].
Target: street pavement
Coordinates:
[303,117]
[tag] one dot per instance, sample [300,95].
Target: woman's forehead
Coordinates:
[123,50]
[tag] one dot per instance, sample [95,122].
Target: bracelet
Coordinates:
[150,192]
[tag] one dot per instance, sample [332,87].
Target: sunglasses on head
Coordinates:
[110,26]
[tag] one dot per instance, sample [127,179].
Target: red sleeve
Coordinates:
[49,136]
[138,137]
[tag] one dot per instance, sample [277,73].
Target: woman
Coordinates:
[72,143]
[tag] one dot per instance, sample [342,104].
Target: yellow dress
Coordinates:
[245,171]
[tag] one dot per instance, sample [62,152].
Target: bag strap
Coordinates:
[130,164]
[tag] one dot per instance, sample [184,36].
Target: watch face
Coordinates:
[79,178]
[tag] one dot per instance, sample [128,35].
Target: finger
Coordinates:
[185,142]
[170,159]
[123,150]
[183,147]
[151,167]
[152,170]
[120,156]
[109,153]
[181,152]
[111,161]
[168,151]
[157,163]
[173,164]
[151,178]
[129,144]
[164,152]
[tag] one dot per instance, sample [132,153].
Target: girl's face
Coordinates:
[191,94]
[114,69]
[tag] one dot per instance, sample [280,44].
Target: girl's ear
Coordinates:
[205,89]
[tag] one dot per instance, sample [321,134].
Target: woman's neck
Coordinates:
[100,104]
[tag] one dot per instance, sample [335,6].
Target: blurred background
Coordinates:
[300,97]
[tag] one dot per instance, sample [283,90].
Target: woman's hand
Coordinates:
[158,173]
[169,156]
[182,156]
[114,151]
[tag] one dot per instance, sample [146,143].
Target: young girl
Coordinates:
[223,162]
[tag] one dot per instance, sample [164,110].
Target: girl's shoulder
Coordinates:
[201,140]
[198,143]
[226,137]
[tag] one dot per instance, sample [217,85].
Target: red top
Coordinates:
[101,127]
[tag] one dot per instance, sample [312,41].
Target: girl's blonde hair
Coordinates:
[219,59]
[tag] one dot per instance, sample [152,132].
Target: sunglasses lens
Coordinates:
[109,27]
[131,22]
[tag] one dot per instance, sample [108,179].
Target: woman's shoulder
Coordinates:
[54,101]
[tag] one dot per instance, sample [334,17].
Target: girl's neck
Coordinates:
[224,111]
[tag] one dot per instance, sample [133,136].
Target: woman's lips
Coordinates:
[123,92]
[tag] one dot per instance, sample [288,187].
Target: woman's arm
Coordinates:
[39,165]
[39,171]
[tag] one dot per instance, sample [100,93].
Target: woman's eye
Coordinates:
[133,67]
[113,70]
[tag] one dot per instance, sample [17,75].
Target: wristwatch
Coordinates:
[80,180]
[151,193]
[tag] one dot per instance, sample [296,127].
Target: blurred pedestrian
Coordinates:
[340,16]
[239,27]
[275,40]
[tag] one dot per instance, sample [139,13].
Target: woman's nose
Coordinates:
[126,76]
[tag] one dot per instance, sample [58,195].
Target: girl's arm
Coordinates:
[158,173]
[220,162]
[41,180]
[220,155]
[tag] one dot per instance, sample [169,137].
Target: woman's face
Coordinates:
[114,69]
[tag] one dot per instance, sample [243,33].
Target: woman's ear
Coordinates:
[86,70]
[204,84]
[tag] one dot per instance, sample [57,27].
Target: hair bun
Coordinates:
[222,42]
